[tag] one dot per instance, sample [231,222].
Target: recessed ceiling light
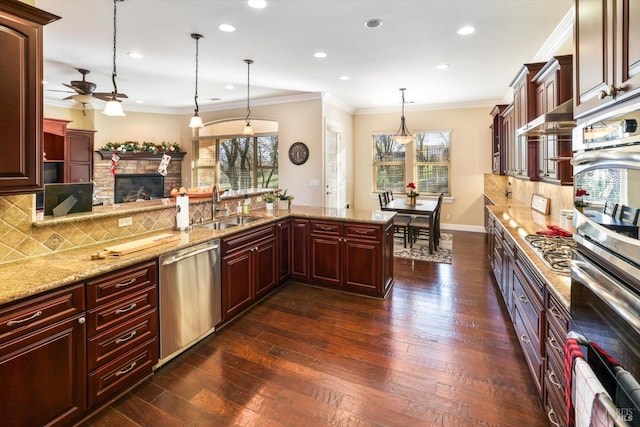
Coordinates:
[139,101]
[215,99]
[442,66]
[320,55]
[373,23]
[227,28]
[134,54]
[257,4]
[228,87]
[466,30]
[344,77]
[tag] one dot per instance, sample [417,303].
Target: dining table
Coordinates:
[424,208]
[613,223]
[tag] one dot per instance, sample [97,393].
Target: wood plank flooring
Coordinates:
[440,351]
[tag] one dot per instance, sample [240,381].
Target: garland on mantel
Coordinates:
[144,147]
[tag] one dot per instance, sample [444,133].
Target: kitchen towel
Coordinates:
[572,351]
[603,412]
[586,389]
[182,212]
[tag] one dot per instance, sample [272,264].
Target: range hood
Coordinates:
[556,122]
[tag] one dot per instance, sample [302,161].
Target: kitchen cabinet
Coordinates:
[122,329]
[607,48]
[525,148]
[326,253]
[21,29]
[284,242]
[42,359]
[249,269]
[68,153]
[498,150]
[554,384]
[554,87]
[509,136]
[300,255]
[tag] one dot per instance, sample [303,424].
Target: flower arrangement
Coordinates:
[579,201]
[137,147]
[412,190]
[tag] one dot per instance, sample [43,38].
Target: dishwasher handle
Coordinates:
[175,259]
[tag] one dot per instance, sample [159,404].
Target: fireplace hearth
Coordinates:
[138,186]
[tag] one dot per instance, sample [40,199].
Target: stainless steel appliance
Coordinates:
[554,251]
[190,297]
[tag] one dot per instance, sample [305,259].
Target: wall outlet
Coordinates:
[125,222]
[448,216]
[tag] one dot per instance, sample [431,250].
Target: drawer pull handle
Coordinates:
[26,319]
[553,418]
[554,380]
[362,232]
[525,339]
[127,338]
[524,299]
[554,344]
[127,283]
[326,228]
[555,313]
[125,371]
[124,310]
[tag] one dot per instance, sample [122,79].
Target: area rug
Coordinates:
[420,250]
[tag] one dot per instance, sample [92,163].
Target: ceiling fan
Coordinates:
[85,90]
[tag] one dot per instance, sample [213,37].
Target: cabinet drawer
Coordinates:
[22,317]
[327,228]
[122,373]
[111,315]
[557,314]
[115,285]
[530,348]
[242,240]
[528,305]
[107,346]
[362,231]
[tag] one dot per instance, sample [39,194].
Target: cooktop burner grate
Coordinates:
[554,251]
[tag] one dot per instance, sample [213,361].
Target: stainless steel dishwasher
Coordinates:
[190,305]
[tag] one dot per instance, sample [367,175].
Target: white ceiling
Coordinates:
[416,35]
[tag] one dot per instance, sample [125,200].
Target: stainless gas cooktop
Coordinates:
[555,251]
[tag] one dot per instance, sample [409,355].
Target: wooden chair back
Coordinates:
[629,214]
[610,208]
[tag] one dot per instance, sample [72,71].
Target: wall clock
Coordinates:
[298,153]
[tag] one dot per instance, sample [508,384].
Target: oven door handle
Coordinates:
[622,301]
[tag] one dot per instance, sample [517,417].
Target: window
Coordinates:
[237,163]
[424,162]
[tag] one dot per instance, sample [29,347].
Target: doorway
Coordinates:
[334,167]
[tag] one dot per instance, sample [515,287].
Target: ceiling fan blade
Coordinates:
[106,96]
[58,90]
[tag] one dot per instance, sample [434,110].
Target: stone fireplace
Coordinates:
[132,164]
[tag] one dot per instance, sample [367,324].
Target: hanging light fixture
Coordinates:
[196,121]
[403,136]
[114,105]
[248,130]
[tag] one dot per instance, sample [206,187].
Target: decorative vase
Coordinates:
[412,200]
[269,206]
[283,204]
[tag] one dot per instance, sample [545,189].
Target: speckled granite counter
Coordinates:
[519,220]
[35,275]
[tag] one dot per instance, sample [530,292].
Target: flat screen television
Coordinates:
[55,194]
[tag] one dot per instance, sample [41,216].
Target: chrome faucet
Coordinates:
[215,199]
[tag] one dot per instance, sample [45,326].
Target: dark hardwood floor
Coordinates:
[440,351]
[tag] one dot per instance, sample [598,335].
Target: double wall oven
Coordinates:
[605,269]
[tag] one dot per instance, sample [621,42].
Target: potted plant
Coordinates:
[285,200]
[269,200]
[412,193]
[579,201]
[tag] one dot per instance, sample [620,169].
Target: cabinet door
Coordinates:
[21,89]
[44,375]
[326,260]
[265,267]
[387,259]
[628,48]
[300,255]
[362,266]
[237,282]
[79,156]
[284,242]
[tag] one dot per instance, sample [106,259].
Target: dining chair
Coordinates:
[420,226]
[610,208]
[400,222]
[629,214]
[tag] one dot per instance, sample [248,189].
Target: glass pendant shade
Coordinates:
[113,109]
[196,122]
[248,130]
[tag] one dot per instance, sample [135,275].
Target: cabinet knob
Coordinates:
[612,91]
[82,320]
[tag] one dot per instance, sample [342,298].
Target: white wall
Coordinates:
[339,114]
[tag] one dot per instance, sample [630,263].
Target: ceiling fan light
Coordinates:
[113,109]
[196,122]
[248,130]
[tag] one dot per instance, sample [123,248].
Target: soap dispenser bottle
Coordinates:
[245,206]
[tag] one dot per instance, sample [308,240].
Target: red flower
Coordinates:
[411,185]
[581,192]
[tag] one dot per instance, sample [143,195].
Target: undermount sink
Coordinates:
[237,220]
[219,225]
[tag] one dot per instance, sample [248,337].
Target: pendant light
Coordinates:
[196,121]
[403,136]
[248,130]
[114,105]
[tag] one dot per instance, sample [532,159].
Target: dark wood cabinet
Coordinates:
[326,253]
[21,29]
[607,62]
[557,328]
[249,269]
[387,258]
[68,153]
[509,136]
[498,149]
[284,241]
[525,149]
[122,329]
[554,87]
[300,255]
[42,359]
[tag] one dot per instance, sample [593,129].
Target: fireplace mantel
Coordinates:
[142,155]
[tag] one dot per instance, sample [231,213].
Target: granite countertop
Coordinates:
[31,276]
[518,219]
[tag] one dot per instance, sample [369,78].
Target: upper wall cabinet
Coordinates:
[607,49]
[21,89]
[498,149]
